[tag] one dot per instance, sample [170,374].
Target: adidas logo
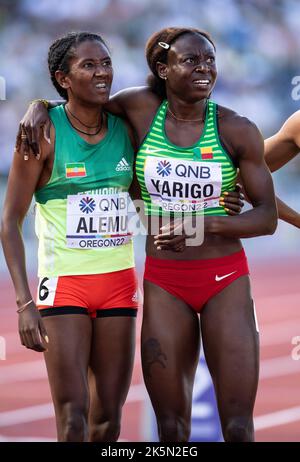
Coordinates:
[123,166]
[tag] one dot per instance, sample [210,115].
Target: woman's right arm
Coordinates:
[136,104]
[22,182]
[279,150]
[285,144]
[287,214]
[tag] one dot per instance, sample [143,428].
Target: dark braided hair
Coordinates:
[155,53]
[62,50]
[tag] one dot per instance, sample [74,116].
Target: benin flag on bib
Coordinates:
[206,153]
[75,170]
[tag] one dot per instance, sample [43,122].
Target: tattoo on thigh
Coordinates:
[152,353]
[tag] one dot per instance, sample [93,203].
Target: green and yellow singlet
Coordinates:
[190,180]
[81,213]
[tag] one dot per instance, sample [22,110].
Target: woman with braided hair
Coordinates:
[86,306]
[189,152]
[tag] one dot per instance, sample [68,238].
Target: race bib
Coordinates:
[181,185]
[96,221]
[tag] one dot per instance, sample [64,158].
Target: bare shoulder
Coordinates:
[237,130]
[233,120]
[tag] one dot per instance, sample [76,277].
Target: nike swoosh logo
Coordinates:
[152,151]
[219,278]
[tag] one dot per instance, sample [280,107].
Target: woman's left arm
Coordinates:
[248,145]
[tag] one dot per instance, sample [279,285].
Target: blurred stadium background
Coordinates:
[258,61]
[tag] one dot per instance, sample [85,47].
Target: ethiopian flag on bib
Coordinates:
[75,170]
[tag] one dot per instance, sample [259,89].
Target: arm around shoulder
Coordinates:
[132,101]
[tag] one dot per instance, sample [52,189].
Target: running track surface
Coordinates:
[26,412]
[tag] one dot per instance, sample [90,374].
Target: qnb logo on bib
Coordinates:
[183,186]
[87,205]
[164,168]
[97,221]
